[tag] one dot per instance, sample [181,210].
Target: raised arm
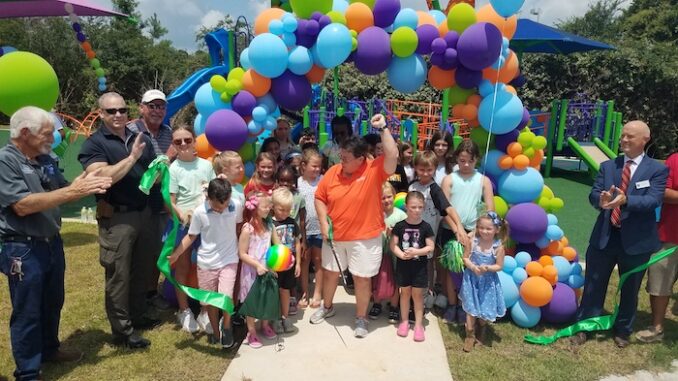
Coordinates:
[119,170]
[390,146]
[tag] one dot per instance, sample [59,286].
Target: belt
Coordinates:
[125,208]
[27,238]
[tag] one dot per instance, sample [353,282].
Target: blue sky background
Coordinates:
[183,17]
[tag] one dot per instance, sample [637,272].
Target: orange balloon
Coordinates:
[473,123]
[474,100]
[511,89]
[536,291]
[521,161]
[555,248]
[514,149]
[203,147]
[545,260]
[550,273]
[505,162]
[537,158]
[565,241]
[507,26]
[426,18]
[443,28]
[569,253]
[90,54]
[469,112]
[86,46]
[457,110]
[506,73]
[265,17]
[534,268]
[255,83]
[359,17]
[440,79]
[316,74]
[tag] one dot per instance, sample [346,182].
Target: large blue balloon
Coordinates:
[333,46]
[509,289]
[407,74]
[524,315]
[490,163]
[300,60]
[564,268]
[199,125]
[507,110]
[207,101]
[407,17]
[268,55]
[507,8]
[518,186]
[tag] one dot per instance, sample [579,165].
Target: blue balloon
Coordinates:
[519,186]
[102,80]
[576,269]
[102,87]
[289,23]
[300,60]
[249,169]
[267,102]
[525,315]
[254,128]
[506,8]
[542,242]
[6,50]
[490,163]
[207,101]
[485,89]
[575,281]
[501,115]
[259,114]
[554,232]
[407,74]
[564,268]
[276,27]
[270,124]
[523,258]
[268,55]
[553,220]
[508,288]
[519,275]
[407,17]
[245,59]
[333,46]
[340,6]
[510,264]
[438,16]
[199,125]
[290,39]
[57,138]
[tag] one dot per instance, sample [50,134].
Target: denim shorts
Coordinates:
[315,240]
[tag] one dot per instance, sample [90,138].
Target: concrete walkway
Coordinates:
[328,351]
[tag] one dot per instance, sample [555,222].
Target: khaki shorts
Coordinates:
[662,275]
[361,257]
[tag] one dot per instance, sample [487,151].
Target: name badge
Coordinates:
[643,184]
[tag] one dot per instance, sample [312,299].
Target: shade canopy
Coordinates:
[533,37]
[46,8]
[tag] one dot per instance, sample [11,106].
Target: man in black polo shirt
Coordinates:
[124,218]
[153,108]
[32,253]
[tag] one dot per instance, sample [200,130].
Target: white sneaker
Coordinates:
[204,323]
[187,321]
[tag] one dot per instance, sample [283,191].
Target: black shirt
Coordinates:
[399,179]
[412,236]
[105,147]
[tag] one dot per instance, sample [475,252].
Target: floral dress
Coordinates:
[259,245]
[482,295]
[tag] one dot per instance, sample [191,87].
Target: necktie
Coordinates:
[626,176]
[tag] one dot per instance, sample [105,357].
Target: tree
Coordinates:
[156,30]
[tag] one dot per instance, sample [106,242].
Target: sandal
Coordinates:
[253,341]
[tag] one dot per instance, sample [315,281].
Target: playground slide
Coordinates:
[185,93]
[590,153]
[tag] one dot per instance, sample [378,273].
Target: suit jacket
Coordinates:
[638,219]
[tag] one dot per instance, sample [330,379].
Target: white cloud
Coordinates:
[210,19]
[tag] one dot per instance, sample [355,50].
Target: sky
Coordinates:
[183,17]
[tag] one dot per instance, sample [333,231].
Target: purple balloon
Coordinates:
[451,56]
[226,130]
[316,16]
[479,46]
[437,59]
[524,120]
[563,305]
[426,34]
[467,78]
[169,293]
[291,91]
[518,81]
[438,45]
[451,38]
[385,12]
[501,142]
[373,54]
[312,28]
[324,21]
[81,37]
[528,222]
[243,103]
[76,27]
[532,249]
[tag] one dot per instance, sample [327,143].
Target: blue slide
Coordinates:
[218,46]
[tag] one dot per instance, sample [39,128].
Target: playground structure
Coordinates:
[587,129]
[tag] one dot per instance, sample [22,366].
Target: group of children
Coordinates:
[231,228]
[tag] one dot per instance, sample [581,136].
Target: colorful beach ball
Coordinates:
[279,258]
[399,200]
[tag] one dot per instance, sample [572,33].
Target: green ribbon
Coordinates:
[599,323]
[159,168]
[452,257]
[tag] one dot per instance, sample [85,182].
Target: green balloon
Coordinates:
[404,41]
[26,79]
[337,17]
[459,95]
[99,72]
[500,206]
[305,8]
[479,136]
[95,63]
[461,16]
[539,142]
[369,3]
[247,152]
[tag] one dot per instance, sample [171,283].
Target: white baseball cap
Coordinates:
[152,95]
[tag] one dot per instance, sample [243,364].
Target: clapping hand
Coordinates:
[138,147]
[91,183]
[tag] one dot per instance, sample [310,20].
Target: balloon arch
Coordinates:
[468,56]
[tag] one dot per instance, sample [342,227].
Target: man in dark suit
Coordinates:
[627,191]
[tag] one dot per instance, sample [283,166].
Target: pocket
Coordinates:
[13,251]
[108,248]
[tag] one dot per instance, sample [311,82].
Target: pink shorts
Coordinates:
[221,280]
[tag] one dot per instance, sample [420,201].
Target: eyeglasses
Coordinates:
[154,106]
[113,111]
[178,142]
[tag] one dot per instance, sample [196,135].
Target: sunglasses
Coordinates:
[178,142]
[113,111]
[152,106]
